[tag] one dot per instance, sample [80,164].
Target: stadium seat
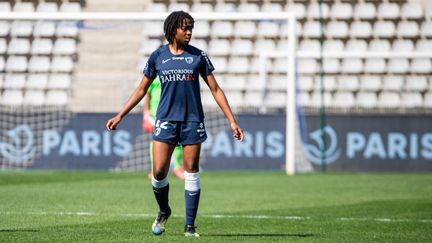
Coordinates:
[336,29]
[1,78]
[2,64]
[313,10]
[280,65]
[416,83]
[67,29]
[256,66]
[421,65]
[23,7]
[366,100]
[200,44]
[4,28]
[305,83]
[379,45]
[47,7]
[370,83]
[389,100]
[384,29]
[44,29]
[298,9]
[331,65]
[352,65]
[402,45]
[238,65]
[41,47]
[311,29]
[39,64]
[282,45]
[264,46]
[14,81]
[235,82]
[21,28]
[277,82]
[309,46]
[375,65]
[388,11]
[37,81]
[16,64]
[59,81]
[70,7]
[333,45]
[254,99]
[241,47]
[156,28]
[424,45]
[34,98]
[426,29]
[65,46]
[62,64]
[235,98]
[407,29]
[271,7]
[275,99]
[365,10]
[268,29]
[315,100]
[427,100]
[18,46]
[343,99]
[303,99]
[56,98]
[220,64]
[254,83]
[329,83]
[244,29]
[306,66]
[225,7]
[149,45]
[412,10]
[411,100]
[5,7]
[178,6]
[248,8]
[218,47]
[222,29]
[398,65]
[201,29]
[348,83]
[201,8]
[360,29]
[157,8]
[356,45]
[392,83]
[12,97]
[341,11]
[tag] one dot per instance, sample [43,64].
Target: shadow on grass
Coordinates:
[263,235]
[18,230]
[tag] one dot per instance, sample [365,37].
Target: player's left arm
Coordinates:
[222,102]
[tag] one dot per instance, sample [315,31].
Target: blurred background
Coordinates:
[363,84]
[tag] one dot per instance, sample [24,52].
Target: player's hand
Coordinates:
[148,123]
[237,131]
[112,123]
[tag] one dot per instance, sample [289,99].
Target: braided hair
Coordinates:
[174,21]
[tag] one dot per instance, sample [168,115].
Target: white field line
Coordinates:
[220,216]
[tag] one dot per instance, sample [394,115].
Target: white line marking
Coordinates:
[219,216]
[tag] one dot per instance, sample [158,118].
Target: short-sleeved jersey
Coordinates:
[179,77]
[155,92]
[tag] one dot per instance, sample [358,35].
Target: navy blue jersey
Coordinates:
[179,76]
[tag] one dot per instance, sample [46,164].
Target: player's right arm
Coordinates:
[133,100]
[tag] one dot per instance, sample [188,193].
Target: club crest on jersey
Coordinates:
[189,60]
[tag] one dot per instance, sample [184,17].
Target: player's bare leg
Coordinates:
[161,161]
[192,186]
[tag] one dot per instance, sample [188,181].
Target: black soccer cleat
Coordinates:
[190,231]
[158,226]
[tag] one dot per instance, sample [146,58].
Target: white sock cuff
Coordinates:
[159,184]
[192,181]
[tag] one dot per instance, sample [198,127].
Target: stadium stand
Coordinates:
[41,50]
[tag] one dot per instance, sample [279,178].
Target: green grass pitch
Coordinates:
[235,207]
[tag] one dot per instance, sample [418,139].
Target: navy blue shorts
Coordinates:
[176,132]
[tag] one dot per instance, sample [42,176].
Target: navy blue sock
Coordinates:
[191,203]
[161,195]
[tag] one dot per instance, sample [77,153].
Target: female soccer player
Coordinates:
[149,114]
[179,118]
